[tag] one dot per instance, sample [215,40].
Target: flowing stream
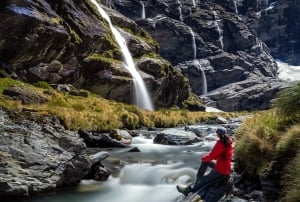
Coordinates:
[149,175]
[142,98]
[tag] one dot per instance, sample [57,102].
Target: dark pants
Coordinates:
[202,179]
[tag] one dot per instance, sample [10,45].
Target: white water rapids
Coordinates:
[149,175]
[288,72]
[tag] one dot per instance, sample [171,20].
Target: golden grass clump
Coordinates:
[291,180]
[289,143]
[94,113]
[255,142]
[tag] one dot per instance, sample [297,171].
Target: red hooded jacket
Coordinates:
[222,155]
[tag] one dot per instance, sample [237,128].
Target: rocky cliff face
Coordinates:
[69,42]
[217,45]
[278,26]
[229,46]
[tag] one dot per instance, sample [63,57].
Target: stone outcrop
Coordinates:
[25,95]
[117,138]
[176,137]
[235,41]
[228,52]
[37,154]
[69,42]
[278,27]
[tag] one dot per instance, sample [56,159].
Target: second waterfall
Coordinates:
[142,97]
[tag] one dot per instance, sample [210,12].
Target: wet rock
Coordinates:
[118,138]
[37,154]
[98,171]
[176,137]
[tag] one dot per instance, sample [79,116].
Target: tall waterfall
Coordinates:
[235,7]
[196,63]
[193,44]
[143,10]
[220,31]
[194,4]
[204,82]
[180,13]
[142,97]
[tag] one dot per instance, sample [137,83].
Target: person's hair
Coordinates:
[225,139]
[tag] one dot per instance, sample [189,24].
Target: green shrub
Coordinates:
[42,84]
[289,143]
[288,102]
[6,82]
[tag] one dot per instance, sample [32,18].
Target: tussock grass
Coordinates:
[291,180]
[274,135]
[94,113]
[289,143]
[288,102]
[256,140]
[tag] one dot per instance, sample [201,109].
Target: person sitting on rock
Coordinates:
[222,153]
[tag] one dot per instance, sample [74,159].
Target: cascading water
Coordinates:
[180,13]
[142,97]
[220,31]
[235,7]
[194,4]
[204,82]
[143,10]
[193,44]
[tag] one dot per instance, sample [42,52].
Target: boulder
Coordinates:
[38,155]
[26,95]
[176,137]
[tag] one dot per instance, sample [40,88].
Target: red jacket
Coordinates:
[223,155]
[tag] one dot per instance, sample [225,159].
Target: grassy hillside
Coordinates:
[98,114]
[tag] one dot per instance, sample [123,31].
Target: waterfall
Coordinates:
[142,97]
[204,82]
[193,44]
[143,10]
[235,7]
[180,14]
[194,4]
[220,31]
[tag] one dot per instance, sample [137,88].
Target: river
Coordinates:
[150,175]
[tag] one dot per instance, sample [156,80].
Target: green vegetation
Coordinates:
[94,113]
[288,103]
[273,136]
[5,83]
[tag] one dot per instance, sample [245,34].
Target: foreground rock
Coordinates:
[37,154]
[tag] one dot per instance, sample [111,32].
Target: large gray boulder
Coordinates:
[37,154]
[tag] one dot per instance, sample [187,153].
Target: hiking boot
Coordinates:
[182,189]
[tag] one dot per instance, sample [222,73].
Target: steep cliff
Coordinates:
[215,46]
[70,42]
